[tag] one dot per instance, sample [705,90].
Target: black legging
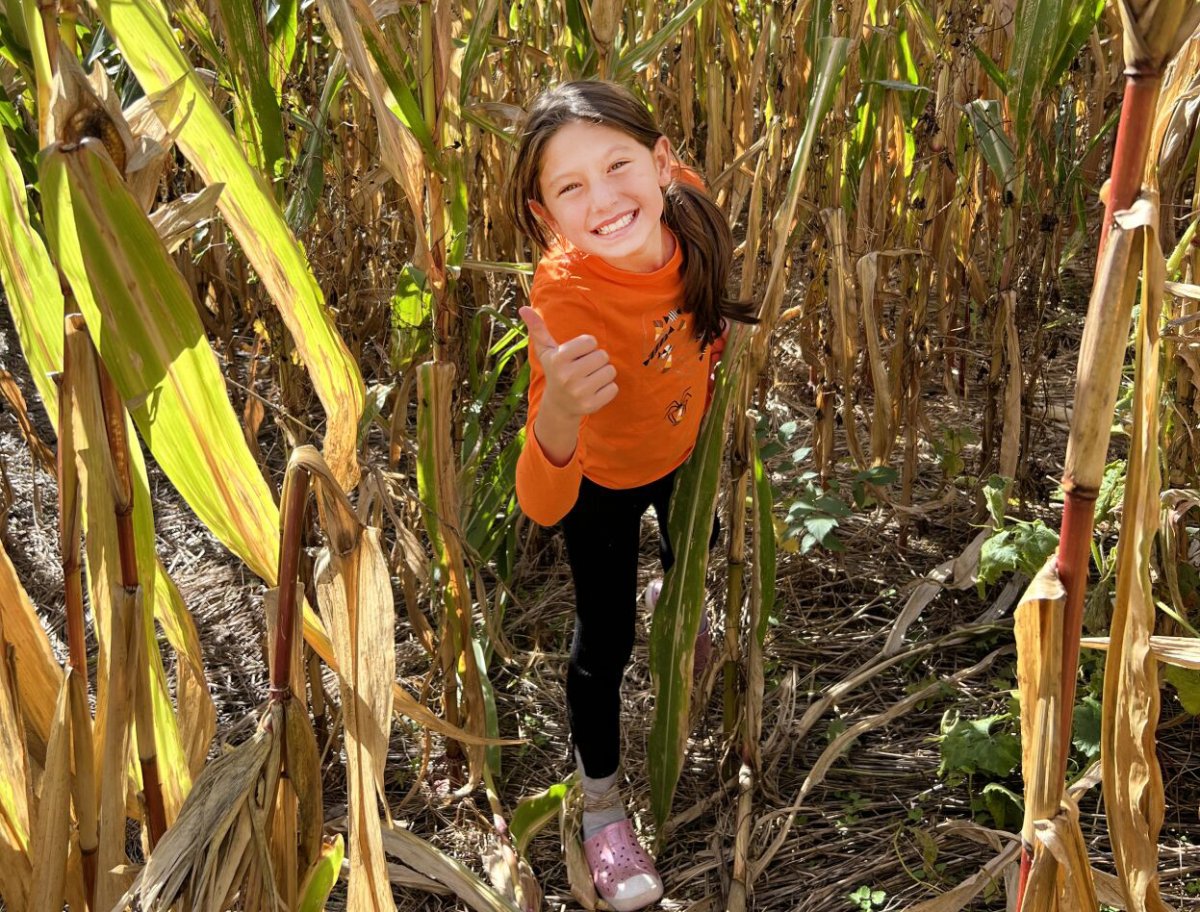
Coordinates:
[602,532]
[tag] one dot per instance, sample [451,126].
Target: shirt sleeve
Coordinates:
[545,491]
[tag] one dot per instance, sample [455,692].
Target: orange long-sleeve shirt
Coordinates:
[651,426]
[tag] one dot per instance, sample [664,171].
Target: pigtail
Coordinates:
[707,247]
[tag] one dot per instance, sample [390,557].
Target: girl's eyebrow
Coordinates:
[570,171]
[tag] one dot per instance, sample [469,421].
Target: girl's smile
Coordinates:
[602,192]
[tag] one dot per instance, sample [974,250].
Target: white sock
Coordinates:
[602,802]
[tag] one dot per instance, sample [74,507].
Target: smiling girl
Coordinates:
[628,317]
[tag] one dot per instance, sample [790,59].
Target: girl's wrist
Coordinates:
[557,434]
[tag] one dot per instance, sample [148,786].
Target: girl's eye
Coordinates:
[566,188]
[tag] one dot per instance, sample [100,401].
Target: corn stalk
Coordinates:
[1153,34]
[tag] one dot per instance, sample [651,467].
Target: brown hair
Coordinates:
[704,237]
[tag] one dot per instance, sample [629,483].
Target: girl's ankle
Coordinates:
[602,804]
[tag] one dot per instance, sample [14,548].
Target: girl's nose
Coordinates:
[604,197]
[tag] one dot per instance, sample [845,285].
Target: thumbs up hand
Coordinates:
[579,377]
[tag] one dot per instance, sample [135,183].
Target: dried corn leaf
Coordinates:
[355,596]
[430,861]
[52,830]
[1155,30]
[1105,334]
[844,311]
[1133,789]
[125,657]
[41,452]
[204,852]
[1060,877]
[38,676]
[15,788]
[303,765]
[882,434]
[400,152]
[1181,651]
[117,617]
[1039,657]
[176,221]
[570,826]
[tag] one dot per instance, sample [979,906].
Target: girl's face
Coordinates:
[602,192]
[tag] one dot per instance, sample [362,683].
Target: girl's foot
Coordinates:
[702,653]
[624,874]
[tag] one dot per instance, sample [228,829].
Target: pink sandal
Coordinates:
[624,874]
[702,653]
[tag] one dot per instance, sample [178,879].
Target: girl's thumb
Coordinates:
[539,332]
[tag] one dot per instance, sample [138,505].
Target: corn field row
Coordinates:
[227,222]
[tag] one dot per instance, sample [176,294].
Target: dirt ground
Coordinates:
[882,817]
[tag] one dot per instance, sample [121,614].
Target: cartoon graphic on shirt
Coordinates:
[678,408]
[664,327]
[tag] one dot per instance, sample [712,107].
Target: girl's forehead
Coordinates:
[579,143]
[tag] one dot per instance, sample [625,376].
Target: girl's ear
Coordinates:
[664,160]
[542,213]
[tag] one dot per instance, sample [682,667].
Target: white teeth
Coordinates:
[617,225]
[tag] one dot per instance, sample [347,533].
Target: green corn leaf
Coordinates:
[477,45]
[1081,18]
[830,65]
[142,318]
[765,559]
[994,144]
[492,720]
[318,882]
[677,615]
[636,58]
[16,37]
[308,177]
[282,26]
[185,106]
[404,103]
[1048,35]
[258,117]
[30,284]
[36,304]
[534,812]
[993,70]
